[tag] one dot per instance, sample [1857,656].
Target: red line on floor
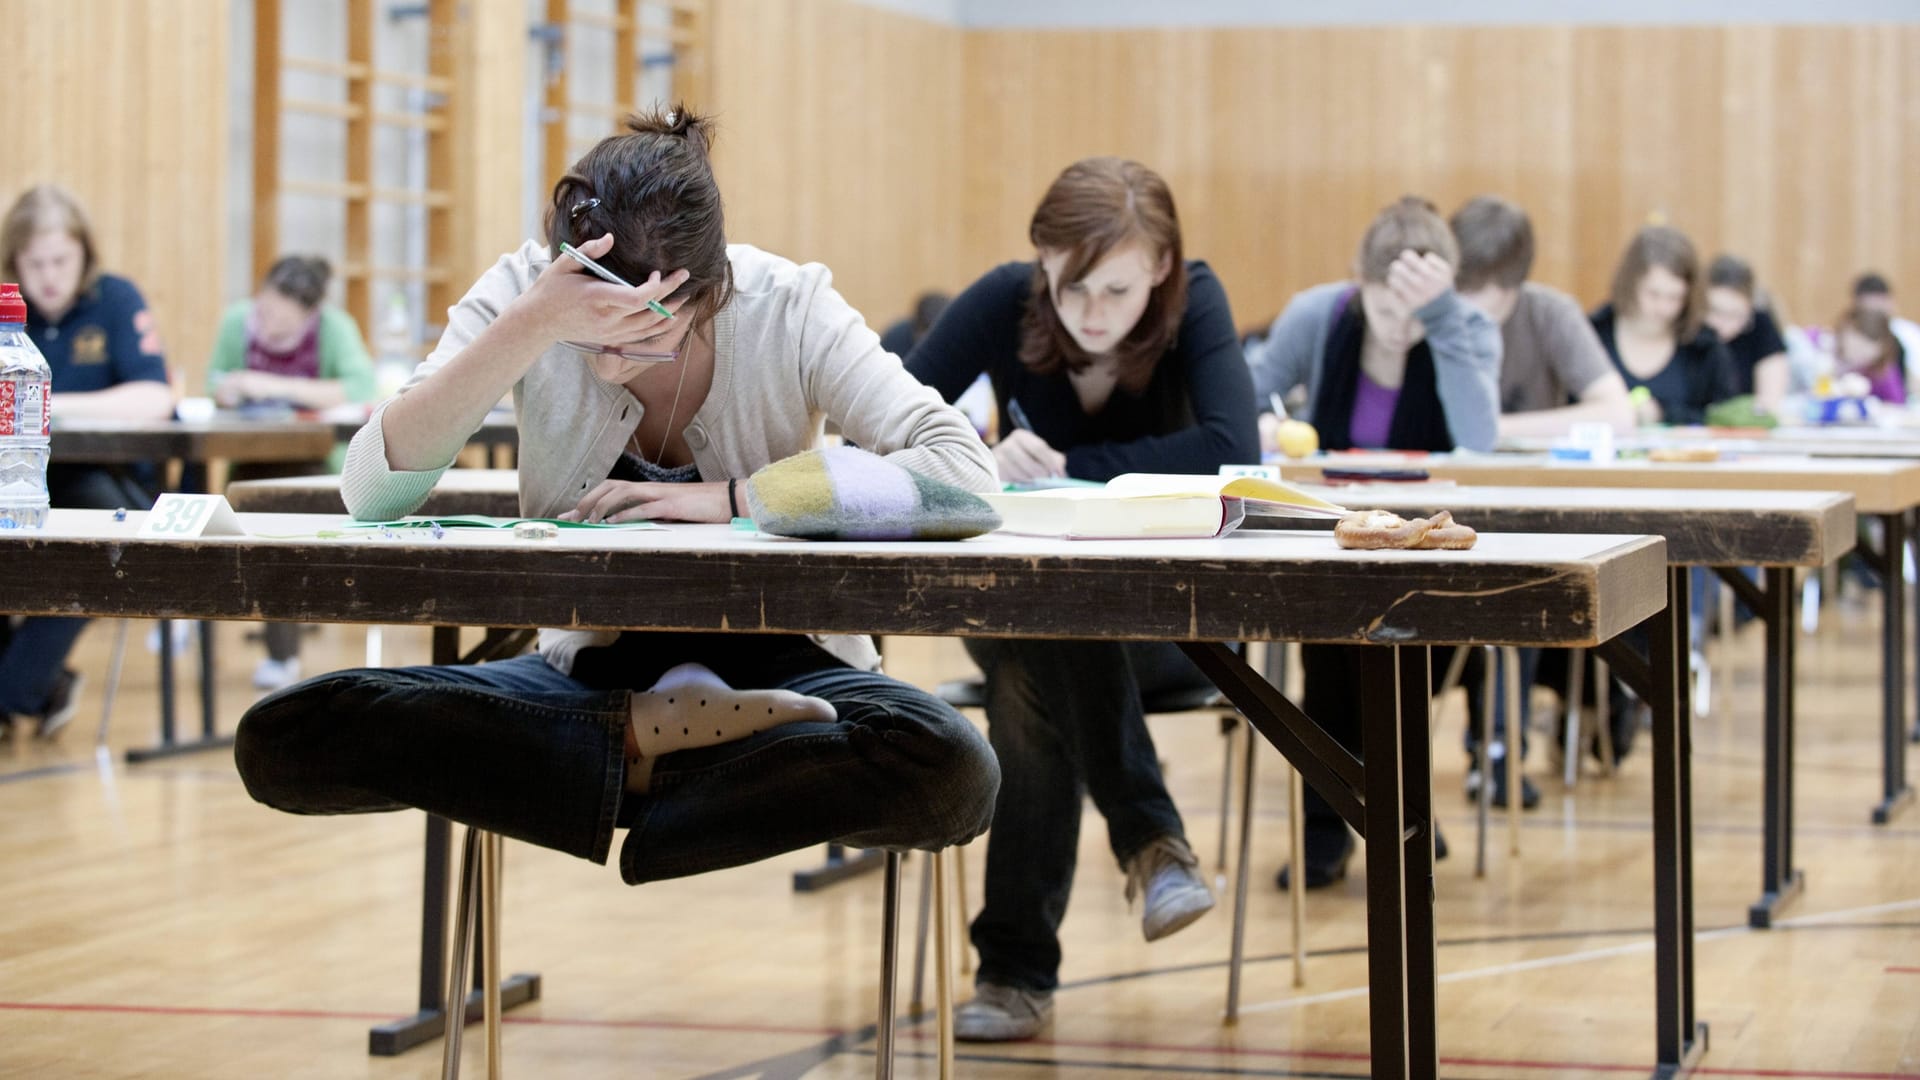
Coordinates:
[335,1014]
[1903,971]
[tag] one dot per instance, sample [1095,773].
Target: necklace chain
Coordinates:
[673,411]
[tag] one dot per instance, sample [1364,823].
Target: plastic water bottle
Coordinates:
[26,418]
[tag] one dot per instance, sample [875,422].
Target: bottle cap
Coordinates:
[13,307]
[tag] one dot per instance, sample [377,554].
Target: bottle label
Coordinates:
[24,407]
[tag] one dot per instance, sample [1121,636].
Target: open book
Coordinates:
[1153,505]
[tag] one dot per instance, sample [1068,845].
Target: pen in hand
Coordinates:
[1017,414]
[605,274]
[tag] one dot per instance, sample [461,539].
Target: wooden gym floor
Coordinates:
[154,922]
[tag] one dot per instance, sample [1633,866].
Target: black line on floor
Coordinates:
[797,1063]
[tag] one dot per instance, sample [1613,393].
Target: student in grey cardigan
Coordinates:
[1412,366]
[713,750]
[1394,361]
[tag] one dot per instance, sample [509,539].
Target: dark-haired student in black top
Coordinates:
[1193,414]
[1753,338]
[1653,332]
[1109,355]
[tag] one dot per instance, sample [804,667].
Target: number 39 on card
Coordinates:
[185,517]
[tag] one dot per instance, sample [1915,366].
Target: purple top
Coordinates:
[300,362]
[1887,385]
[1372,421]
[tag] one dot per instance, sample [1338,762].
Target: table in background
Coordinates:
[1786,442]
[487,492]
[86,441]
[498,435]
[1526,590]
[1775,530]
[1889,490]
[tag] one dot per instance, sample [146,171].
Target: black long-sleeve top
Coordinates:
[1196,414]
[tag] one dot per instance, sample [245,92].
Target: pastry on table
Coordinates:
[1383,530]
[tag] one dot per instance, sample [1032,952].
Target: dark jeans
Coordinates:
[523,750]
[1065,720]
[33,652]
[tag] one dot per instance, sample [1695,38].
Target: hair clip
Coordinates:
[581,207]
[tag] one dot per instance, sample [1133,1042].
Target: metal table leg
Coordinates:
[1894,792]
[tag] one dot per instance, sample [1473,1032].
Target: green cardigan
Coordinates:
[343,354]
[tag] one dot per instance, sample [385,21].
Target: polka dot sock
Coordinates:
[691,707]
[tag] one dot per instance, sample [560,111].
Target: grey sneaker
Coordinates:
[1167,874]
[1002,1014]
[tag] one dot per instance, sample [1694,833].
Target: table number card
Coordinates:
[1258,472]
[186,517]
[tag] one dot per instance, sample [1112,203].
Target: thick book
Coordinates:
[1153,506]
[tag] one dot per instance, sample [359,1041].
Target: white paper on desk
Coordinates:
[177,516]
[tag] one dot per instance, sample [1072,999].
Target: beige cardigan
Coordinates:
[789,353]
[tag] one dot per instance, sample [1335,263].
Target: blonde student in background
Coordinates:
[287,345]
[100,339]
[1111,353]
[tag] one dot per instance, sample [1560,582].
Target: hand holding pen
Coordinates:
[577,299]
[1022,455]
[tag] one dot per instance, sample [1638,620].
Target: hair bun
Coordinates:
[678,121]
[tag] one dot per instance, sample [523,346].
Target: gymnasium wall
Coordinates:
[843,139]
[1786,144]
[124,104]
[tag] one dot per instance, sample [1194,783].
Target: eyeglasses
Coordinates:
[624,352]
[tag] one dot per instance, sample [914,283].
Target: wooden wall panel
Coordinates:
[128,110]
[841,141]
[1794,146]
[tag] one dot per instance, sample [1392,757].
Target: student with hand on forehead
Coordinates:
[712,750]
[1393,359]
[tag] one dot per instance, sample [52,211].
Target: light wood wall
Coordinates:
[1798,147]
[125,105]
[841,141]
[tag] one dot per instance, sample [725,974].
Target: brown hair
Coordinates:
[1412,224]
[42,208]
[1871,284]
[653,189]
[1669,249]
[1730,272]
[1095,206]
[1496,244]
[1876,327]
[300,278]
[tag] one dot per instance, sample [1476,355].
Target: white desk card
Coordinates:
[1258,472]
[185,517]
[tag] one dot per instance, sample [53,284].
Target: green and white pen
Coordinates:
[605,274]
